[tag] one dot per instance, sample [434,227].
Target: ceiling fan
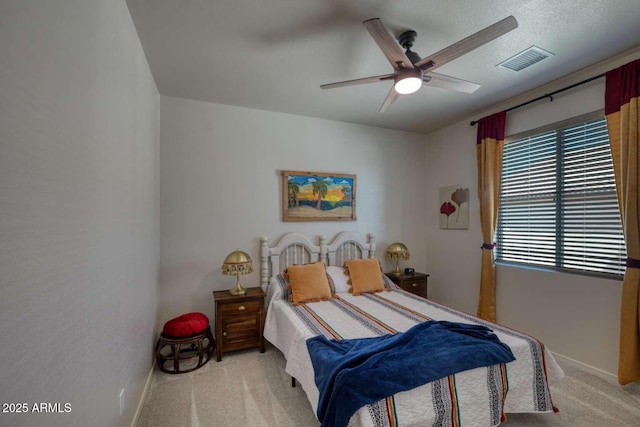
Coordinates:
[411,72]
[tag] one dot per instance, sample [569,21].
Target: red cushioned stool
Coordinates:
[182,340]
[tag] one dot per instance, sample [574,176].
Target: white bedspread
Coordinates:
[470,398]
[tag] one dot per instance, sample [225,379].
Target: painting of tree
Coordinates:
[293,189]
[318,196]
[320,188]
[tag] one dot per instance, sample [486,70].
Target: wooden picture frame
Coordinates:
[318,196]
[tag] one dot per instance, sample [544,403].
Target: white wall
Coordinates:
[574,315]
[79,211]
[221,190]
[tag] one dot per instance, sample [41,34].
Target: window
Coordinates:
[558,204]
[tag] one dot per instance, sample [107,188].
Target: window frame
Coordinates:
[553,127]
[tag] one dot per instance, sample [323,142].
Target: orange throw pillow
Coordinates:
[309,283]
[366,275]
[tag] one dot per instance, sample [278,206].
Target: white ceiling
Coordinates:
[274,54]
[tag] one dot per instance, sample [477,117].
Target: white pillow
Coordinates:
[339,278]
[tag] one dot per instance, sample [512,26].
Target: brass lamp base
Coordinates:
[397,271]
[237,289]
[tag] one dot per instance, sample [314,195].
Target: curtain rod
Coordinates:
[550,95]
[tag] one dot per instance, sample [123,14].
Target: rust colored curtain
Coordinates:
[489,152]
[621,109]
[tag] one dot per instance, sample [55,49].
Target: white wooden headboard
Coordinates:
[296,248]
[348,245]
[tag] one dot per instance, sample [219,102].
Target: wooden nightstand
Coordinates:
[239,320]
[415,283]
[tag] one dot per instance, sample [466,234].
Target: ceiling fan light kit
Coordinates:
[408,81]
[411,72]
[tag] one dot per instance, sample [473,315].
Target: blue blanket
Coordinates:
[352,373]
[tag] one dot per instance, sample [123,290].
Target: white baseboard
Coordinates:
[593,369]
[147,385]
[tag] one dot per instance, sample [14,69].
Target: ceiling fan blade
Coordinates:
[391,97]
[363,80]
[447,82]
[387,44]
[468,44]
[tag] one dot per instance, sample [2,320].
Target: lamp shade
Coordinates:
[235,264]
[398,251]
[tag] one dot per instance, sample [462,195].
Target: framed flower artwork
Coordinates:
[454,208]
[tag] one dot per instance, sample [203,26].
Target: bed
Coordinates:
[476,397]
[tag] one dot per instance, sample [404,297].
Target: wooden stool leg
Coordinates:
[176,357]
[212,344]
[200,353]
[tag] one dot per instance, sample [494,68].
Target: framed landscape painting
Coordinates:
[318,196]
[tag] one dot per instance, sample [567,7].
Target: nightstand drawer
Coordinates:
[240,308]
[415,286]
[416,283]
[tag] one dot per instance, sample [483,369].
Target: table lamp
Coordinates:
[397,251]
[235,264]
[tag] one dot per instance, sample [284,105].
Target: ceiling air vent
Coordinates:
[525,58]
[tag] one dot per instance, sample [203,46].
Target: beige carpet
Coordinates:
[251,389]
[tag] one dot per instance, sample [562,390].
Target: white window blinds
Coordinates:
[558,205]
